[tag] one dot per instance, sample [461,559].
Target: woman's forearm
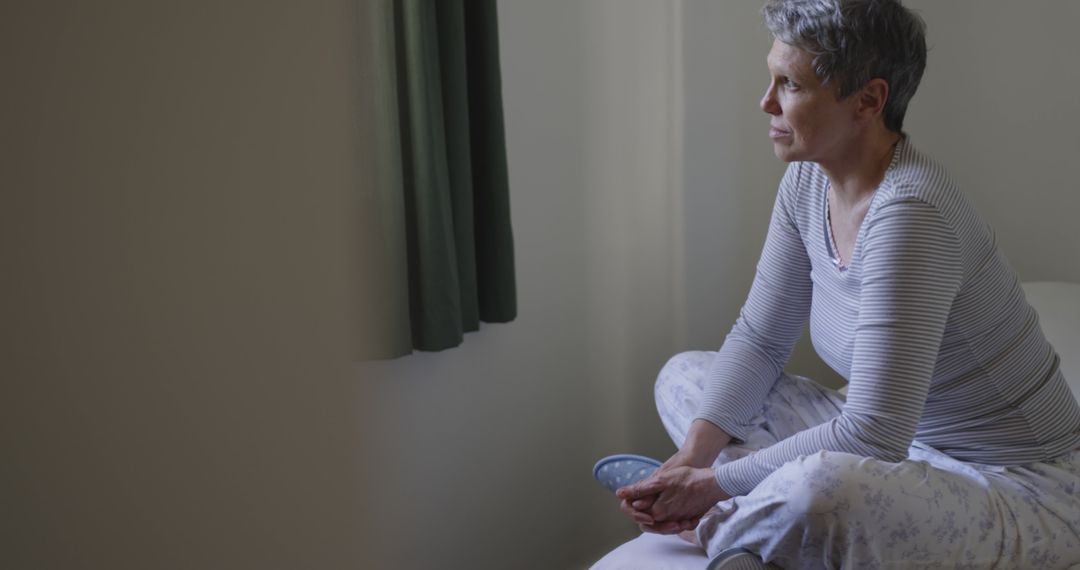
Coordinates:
[704,442]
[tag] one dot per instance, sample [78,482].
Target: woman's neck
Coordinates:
[862,167]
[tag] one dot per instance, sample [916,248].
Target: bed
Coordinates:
[1058,305]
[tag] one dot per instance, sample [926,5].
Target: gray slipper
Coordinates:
[738,559]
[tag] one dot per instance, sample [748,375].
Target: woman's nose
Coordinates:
[769,104]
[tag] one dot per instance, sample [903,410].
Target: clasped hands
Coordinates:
[673,499]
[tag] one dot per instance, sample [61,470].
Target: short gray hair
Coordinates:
[854,41]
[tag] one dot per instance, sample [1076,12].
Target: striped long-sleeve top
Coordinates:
[927,322]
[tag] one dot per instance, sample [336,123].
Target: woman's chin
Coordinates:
[783,152]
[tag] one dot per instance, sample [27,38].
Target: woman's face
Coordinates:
[807,122]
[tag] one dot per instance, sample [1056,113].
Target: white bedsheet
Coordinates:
[654,552]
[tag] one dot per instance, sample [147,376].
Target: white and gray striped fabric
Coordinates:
[928,324]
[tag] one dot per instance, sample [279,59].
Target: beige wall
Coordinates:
[997,107]
[177,242]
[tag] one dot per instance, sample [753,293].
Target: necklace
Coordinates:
[839,259]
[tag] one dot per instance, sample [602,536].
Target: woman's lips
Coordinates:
[775,133]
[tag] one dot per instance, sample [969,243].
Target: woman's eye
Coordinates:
[787,82]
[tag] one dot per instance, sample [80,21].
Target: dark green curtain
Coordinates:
[444,186]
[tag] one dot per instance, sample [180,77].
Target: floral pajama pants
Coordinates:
[837,510]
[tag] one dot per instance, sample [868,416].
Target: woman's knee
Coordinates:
[690,367]
[680,384]
[804,502]
[823,484]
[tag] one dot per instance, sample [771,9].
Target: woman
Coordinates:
[957,443]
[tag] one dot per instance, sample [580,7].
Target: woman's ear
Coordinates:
[872,98]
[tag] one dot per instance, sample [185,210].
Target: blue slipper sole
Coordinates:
[617,471]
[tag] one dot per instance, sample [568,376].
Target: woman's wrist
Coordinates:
[704,442]
[716,492]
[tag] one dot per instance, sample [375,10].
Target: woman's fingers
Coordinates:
[644,504]
[639,517]
[639,490]
[687,495]
[664,503]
